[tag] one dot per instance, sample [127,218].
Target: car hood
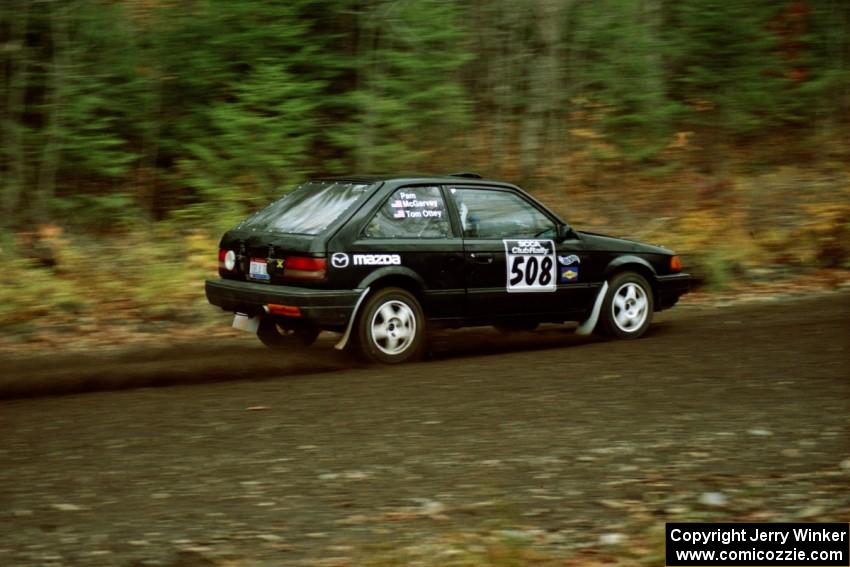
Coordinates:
[603,242]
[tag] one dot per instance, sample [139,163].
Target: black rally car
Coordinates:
[381,259]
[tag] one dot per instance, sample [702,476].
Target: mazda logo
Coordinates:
[339,260]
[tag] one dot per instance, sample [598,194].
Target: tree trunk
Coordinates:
[367,72]
[51,149]
[544,92]
[13,127]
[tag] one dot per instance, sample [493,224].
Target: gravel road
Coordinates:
[570,444]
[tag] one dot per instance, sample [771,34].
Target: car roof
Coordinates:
[450,179]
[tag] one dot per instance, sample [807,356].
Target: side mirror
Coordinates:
[565,232]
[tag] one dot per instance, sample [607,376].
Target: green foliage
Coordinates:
[617,62]
[821,56]
[97,212]
[96,86]
[407,99]
[260,137]
[718,269]
[729,72]
[212,107]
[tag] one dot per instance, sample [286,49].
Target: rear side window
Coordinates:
[499,214]
[411,212]
[309,209]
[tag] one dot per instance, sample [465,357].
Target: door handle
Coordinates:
[479,258]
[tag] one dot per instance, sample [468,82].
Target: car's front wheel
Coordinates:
[278,337]
[627,308]
[391,327]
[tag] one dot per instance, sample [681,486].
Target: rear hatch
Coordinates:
[285,243]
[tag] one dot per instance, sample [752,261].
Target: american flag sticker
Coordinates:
[399,214]
[396,204]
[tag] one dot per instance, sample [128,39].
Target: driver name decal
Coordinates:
[411,206]
[530,265]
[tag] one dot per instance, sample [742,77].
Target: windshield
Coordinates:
[309,209]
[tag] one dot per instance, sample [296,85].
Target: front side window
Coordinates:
[411,212]
[487,213]
[309,209]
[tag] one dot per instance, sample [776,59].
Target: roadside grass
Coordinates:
[107,287]
[769,225]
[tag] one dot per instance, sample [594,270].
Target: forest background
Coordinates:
[134,132]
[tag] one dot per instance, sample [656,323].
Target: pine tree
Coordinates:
[726,70]
[406,100]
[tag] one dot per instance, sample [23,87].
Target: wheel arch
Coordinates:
[400,277]
[634,264]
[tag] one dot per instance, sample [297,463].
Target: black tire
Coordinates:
[509,328]
[397,314]
[279,337]
[627,308]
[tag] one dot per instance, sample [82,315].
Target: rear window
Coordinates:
[309,209]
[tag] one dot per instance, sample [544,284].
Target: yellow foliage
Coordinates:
[826,232]
[135,276]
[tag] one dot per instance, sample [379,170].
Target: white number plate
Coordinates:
[258,269]
[531,265]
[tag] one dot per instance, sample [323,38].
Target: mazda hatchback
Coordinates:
[380,260]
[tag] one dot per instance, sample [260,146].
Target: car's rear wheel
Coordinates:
[391,327]
[280,337]
[627,308]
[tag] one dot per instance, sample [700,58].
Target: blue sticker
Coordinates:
[569,274]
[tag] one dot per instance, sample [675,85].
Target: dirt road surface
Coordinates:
[567,444]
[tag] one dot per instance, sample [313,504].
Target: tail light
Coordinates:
[284,310]
[303,268]
[675,264]
[226,261]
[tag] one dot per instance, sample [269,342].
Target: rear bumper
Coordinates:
[670,289]
[327,308]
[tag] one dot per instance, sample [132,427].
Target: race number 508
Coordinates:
[530,265]
[531,271]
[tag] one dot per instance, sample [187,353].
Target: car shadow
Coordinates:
[482,341]
[247,360]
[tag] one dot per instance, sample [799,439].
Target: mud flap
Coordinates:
[590,323]
[245,323]
[347,334]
